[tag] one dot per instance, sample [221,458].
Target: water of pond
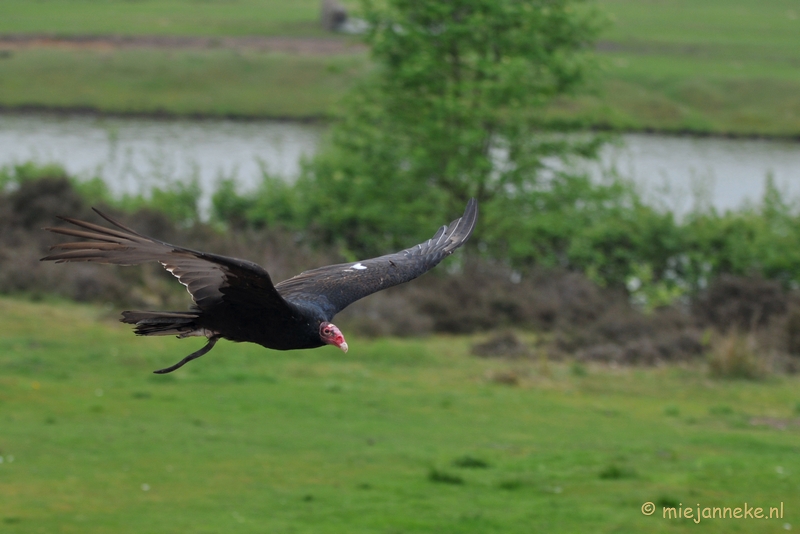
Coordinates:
[134,154]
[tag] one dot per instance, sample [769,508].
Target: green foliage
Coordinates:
[452,112]
[176,198]
[606,231]
[649,293]
[274,203]
[95,191]
[761,240]
[603,230]
[13,175]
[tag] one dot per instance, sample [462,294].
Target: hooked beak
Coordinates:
[328,333]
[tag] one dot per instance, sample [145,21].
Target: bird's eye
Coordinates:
[327,331]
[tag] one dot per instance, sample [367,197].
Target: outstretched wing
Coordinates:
[334,287]
[210,279]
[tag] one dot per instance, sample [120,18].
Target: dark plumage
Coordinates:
[236,300]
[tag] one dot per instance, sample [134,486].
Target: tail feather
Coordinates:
[151,323]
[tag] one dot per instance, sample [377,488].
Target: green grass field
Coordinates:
[162,17]
[179,82]
[725,66]
[711,66]
[394,436]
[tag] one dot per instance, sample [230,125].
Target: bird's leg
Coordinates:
[210,345]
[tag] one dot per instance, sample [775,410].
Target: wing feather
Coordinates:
[209,278]
[334,287]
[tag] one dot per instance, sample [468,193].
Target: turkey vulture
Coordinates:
[236,299]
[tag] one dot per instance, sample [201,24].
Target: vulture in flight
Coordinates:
[236,299]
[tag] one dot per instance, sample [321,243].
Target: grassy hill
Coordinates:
[714,66]
[161,17]
[724,66]
[394,436]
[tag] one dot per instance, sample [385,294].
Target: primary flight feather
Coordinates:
[236,300]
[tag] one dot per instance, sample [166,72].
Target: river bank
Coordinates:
[262,83]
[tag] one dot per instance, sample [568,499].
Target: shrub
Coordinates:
[740,302]
[736,355]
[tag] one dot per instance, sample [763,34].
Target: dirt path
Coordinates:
[290,45]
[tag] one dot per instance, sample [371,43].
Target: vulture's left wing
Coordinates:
[334,287]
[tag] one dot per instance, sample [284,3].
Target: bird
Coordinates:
[235,299]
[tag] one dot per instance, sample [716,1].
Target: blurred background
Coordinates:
[623,327]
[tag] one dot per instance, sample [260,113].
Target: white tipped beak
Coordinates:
[343,346]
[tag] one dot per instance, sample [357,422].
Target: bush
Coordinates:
[741,303]
[735,355]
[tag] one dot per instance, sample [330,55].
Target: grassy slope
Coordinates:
[729,23]
[724,66]
[249,440]
[161,17]
[182,82]
[728,66]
